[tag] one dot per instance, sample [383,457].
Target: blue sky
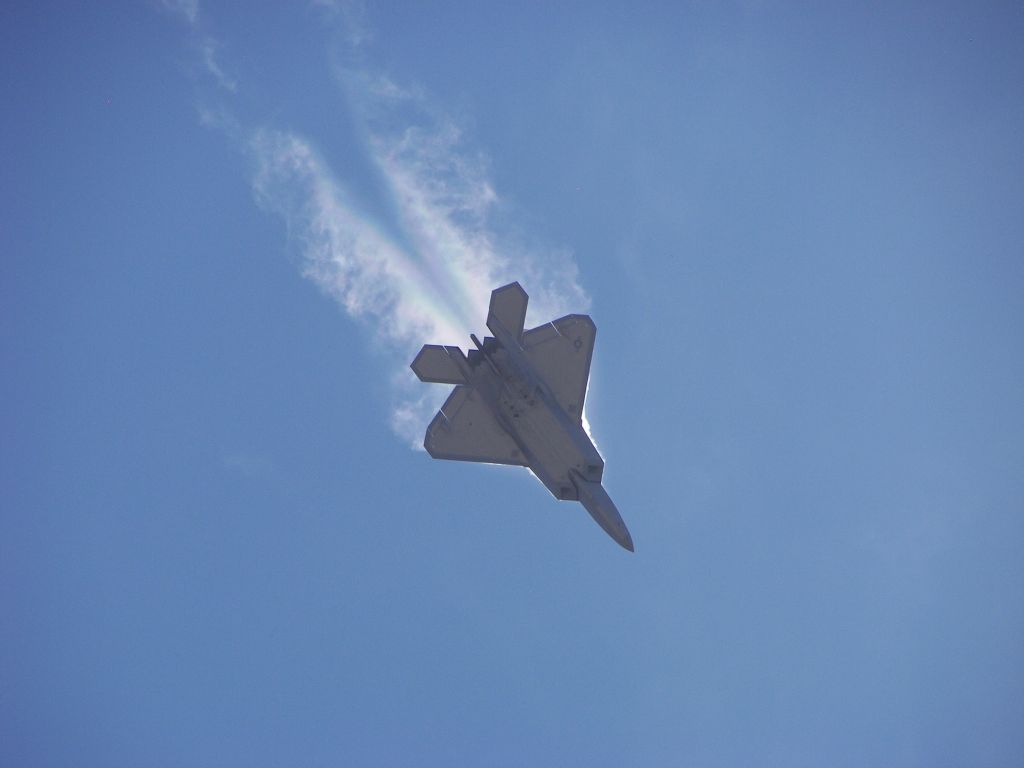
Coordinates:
[225,228]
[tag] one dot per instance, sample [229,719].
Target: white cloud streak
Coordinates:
[344,252]
[446,205]
[209,56]
[350,16]
[414,255]
[427,276]
[187,9]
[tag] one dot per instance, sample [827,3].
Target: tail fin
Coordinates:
[508,307]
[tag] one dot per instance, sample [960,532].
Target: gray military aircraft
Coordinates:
[518,399]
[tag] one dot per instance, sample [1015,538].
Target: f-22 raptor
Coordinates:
[518,399]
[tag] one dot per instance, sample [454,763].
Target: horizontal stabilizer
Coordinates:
[508,307]
[439,365]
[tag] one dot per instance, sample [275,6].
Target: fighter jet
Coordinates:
[518,399]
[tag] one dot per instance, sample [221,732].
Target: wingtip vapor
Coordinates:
[518,399]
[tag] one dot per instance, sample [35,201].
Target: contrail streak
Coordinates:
[415,255]
[425,275]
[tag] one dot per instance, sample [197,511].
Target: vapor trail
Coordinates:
[424,275]
[413,256]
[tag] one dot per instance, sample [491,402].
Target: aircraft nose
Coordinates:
[626,540]
[600,506]
[613,524]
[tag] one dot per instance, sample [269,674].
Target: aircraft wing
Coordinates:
[466,430]
[561,352]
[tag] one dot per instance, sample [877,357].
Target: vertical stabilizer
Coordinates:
[508,307]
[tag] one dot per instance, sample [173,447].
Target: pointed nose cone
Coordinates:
[600,506]
[627,542]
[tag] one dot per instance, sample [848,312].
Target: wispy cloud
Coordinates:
[413,255]
[208,50]
[187,9]
[344,251]
[447,208]
[425,275]
[350,16]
